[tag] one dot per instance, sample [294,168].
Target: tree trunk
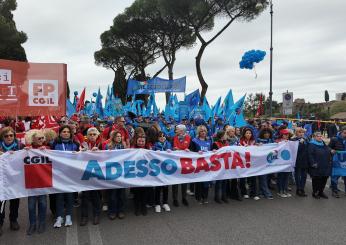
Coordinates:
[204,85]
[170,77]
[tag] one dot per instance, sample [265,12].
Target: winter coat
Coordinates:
[319,156]
[302,154]
[338,143]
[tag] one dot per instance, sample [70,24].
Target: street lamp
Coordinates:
[259,6]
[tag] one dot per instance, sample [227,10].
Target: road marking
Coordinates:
[72,235]
[94,235]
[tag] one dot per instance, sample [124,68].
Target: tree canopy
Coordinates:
[11,39]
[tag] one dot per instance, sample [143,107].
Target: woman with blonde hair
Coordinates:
[302,163]
[35,139]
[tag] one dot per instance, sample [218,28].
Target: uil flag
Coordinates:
[80,105]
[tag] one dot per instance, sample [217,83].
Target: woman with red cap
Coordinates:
[284,135]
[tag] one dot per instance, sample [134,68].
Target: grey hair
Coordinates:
[93,129]
[181,127]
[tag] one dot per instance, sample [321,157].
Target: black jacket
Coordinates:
[320,163]
[337,143]
[302,155]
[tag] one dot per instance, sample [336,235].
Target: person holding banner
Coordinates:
[301,168]
[284,135]
[320,166]
[9,143]
[140,193]
[247,139]
[201,144]
[92,143]
[36,140]
[162,144]
[64,201]
[181,142]
[220,185]
[338,143]
[116,197]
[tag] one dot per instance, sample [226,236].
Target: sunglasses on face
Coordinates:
[40,138]
[8,136]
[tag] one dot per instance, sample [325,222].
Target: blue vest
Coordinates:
[202,145]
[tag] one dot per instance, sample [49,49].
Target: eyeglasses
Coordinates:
[92,134]
[8,136]
[40,138]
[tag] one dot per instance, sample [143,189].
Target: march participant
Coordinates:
[201,144]
[233,189]
[9,143]
[119,125]
[320,166]
[140,193]
[162,144]
[181,141]
[35,139]
[92,143]
[64,201]
[284,135]
[302,163]
[116,197]
[338,143]
[265,136]
[248,139]
[220,185]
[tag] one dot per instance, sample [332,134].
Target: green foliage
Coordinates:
[338,106]
[11,39]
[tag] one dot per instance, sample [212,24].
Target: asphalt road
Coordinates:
[281,221]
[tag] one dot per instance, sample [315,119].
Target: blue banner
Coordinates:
[339,163]
[183,110]
[156,85]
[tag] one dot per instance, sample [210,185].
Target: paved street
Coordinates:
[279,221]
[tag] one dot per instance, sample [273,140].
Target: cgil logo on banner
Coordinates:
[274,155]
[38,172]
[43,92]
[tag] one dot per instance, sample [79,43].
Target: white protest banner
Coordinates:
[36,172]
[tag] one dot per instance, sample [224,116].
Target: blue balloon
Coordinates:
[251,57]
[94,94]
[75,93]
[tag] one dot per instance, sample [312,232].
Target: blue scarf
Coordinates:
[10,147]
[318,143]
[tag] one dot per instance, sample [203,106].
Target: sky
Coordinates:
[309,48]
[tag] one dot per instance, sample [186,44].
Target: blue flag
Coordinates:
[99,108]
[70,109]
[193,98]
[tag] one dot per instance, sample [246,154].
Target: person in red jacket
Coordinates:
[181,141]
[119,125]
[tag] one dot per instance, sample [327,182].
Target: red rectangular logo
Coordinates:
[38,176]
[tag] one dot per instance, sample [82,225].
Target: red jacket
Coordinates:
[181,145]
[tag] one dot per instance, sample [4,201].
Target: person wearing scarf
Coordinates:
[320,165]
[64,201]
[201,144]
[92,143]
[220,185]
[247,139]
[116,197]
[181,142]
[301,168]
[338,143]
[9,143]
[162,144]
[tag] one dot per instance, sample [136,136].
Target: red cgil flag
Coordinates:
[260,107]
[80,105]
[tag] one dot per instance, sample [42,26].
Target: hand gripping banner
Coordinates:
[37,172]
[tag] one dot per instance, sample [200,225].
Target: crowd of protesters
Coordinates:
[81,133]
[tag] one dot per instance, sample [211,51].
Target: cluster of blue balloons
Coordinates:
[250,57]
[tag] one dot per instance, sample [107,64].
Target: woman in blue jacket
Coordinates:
[64,201]
[320,166]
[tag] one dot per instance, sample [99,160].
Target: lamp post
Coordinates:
[271,61]
[260,6]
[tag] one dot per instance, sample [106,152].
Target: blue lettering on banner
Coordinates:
[131,169]
[155,169]
[272,156]
[93,170]
[118,170]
